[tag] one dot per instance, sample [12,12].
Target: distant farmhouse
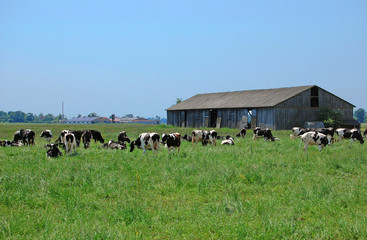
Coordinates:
[281,108]
[140,120]
[87,120]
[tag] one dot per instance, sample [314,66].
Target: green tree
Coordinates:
[30,117]
[93,115]
[329,117]
[360,115]
[178,100]
[3,116]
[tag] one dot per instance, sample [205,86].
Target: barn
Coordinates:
[280,108]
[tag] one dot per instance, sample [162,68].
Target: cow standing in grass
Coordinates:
[314,138]
[46,134]
[172,141]
[86,137]
[146,141]
[242,133]
[265,133]
[122,137]
[352,134]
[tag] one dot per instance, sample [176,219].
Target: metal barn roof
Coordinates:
[240,99]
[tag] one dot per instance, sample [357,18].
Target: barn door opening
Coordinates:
[213,118]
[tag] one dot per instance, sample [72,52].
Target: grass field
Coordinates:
[252,190]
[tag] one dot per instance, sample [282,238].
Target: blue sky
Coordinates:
[139,56]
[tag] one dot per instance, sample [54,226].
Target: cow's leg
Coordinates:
[66,148]
[319,148]
[306,145]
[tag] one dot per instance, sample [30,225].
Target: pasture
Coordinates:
[254,189]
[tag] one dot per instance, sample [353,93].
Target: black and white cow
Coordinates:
[228,141]
[28,137]
[97,136]
[329,132]
[197,136]
[86,137]
[172,141]
[46,134]
[60,139]
[187,138]
[298,132]
[146,141]
[70,143]
[18,135]
[209,137]
[352,134]
[114,145]
[123,137]
[314,138]
[7,143]
[78,135]
[365,133]
[53,151]
[242,133]
[204,137]
[266,133]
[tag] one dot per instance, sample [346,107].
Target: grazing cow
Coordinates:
[78,135]
[46,134]
[242,133]
[204,137]
[197,136]
[365,133]
[53,151]
[229,141]
[28,137]
[97,136]
[187,138]
[209,137]
[314,138]
[70,143]
[86,137]
[114,145]
[7,143]
[266,133]
[298,132]
[146,141]
[60,139]
[123,137]
[18,135]
[352,134]
[329,132]
[172,141]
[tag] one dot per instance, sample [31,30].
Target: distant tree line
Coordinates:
[22,117]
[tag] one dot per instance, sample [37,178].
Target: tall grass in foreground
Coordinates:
[254,189]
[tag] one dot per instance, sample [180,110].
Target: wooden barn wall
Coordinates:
[232,117]
[265,118]
[297,110]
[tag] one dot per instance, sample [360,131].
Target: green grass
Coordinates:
[254,190]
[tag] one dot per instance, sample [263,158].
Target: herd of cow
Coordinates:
[325,136]
[70,140]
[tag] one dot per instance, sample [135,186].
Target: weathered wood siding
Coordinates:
[297,110]
[265,118]
[230,118]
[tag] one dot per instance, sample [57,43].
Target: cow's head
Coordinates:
[357,136]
